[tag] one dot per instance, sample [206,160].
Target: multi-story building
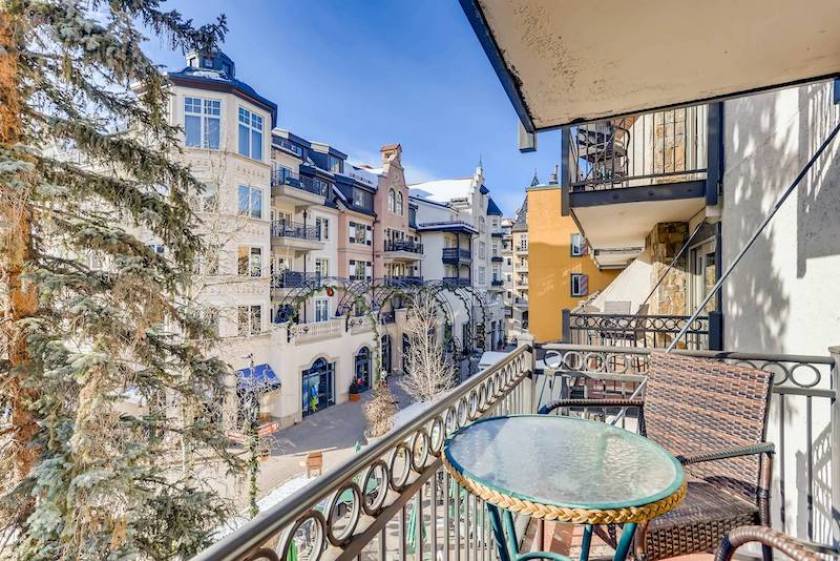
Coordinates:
[300,235]
[513,328]
[456,217]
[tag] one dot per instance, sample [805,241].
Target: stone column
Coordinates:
[669,298]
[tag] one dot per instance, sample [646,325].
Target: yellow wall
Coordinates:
[550,265]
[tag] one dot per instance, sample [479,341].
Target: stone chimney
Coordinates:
[391,153]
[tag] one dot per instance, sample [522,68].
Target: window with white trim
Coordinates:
[580,284]
[202,122]
[249,320]
[249,261]
[360,233]
[322,309]
[250,134]
[250,201]
[578,245]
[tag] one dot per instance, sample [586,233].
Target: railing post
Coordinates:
[835,442]
[715,331]
[567,326]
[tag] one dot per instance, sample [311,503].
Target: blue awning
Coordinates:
[263,378]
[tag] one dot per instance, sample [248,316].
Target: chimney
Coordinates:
[391,153]
[552,179]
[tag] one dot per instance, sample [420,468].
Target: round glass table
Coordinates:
[564,469]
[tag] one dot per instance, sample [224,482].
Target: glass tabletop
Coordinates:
[564,461]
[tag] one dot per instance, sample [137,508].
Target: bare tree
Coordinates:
[380,410]
[429,370]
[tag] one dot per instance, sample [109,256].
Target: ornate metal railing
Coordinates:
[393,499]
[805,408]
[455,254]
[629,330]
[660,147]
[403,245]
[284,229]
[455,281]
[294,279]
[407,280]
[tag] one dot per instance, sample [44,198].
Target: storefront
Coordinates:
[318,387]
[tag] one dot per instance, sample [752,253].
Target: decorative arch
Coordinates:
[392,201]
[400,204]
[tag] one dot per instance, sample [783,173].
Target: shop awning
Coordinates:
[262,378]
[566,61]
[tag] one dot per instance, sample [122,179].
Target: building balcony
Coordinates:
[294,279]
[295,235]
[456,256]
[497,283]
[625,176]
[395,500]
[648,331]
[403,250]
[402,281]
[296,189]
[316,331]
[497,258]
[455,282]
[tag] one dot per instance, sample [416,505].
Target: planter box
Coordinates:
[355,396]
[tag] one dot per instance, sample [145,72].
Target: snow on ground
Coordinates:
[274,497]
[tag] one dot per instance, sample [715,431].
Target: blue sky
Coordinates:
[359,74]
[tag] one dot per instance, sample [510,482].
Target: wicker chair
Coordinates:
[712,416]
[795,549]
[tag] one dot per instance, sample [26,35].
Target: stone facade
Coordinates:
[663,244]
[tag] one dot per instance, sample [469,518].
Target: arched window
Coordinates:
[363,369]
[392,201]
[399,204]
[482,223]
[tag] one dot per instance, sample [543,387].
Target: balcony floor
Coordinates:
[566,538]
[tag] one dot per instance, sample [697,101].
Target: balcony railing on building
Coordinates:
[642,331]
[387,318]
[393,500]
[403,245]
[497,282]
[402,281]
[649,149]
[456,255]
[295,279]
[456,281]
[297,230]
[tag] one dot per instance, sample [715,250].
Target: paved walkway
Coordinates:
[334,431]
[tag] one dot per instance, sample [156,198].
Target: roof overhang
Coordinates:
[564,61]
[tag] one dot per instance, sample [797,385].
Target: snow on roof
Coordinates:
[443,190]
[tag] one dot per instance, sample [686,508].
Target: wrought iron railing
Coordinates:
[455,254]
[455,281]
[660,147]
[403,281]
[403,245]
[294,279]
[805,396]
[285,229]
[393,499]
[629,330]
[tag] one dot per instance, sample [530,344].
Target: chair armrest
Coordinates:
[617,402]
[724,453]
[770,538]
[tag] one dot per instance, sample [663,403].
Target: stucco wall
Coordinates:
[783,297]
[550,265]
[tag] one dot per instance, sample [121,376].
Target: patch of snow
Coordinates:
[274,497]
[490,358]
[443,190]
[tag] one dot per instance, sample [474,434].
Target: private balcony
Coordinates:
[497,283]
[291,187]
[623,177]
[403,250]
[641,331]
[403,281]
[456,256]
[393,499]
[455,282]
[294,235]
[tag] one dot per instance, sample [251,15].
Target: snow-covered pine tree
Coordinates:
[91,313]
